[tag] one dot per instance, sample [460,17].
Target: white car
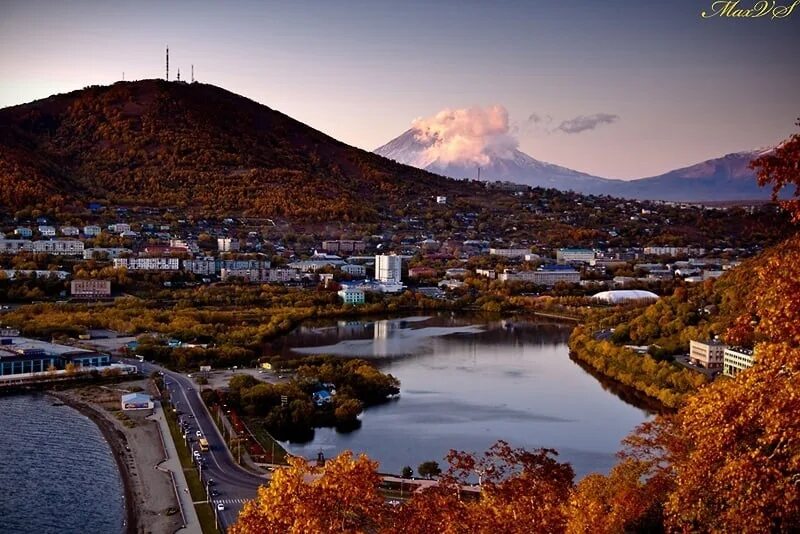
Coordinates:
[198,434]
[197,454]
[220,507]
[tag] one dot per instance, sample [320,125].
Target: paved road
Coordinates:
[234,483]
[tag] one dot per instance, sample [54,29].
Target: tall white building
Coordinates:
[388,268]
[227,244]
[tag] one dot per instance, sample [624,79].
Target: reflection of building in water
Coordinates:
[350,328]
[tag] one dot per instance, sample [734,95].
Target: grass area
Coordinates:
[266,440]
[204,511]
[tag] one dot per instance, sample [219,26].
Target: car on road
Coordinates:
[220,507]
[198,434]
[214,493]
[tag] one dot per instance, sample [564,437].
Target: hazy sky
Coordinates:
[664,86]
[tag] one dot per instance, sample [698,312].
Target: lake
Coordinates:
[467,382]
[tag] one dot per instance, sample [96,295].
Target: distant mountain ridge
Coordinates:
[725,178]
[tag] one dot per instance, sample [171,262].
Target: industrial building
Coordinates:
[24,356]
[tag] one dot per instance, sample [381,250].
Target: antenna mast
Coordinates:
[167,78]
[479,173]
[192,73]
[179,74]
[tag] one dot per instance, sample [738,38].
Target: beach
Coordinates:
[150,501]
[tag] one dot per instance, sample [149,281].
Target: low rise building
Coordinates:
[509,252]
[542,277]
[23,232]
[58,247]
[105,253]
[24,356]
[491,274]
[14,246]
[575,255]
[47,231]
[119,228]
[344,246]
[137,401]
[91,230]
[354,270]
[148,264]
[735,360]
[709,354]
[202,266]
[421,272]
[90,289]
[352,295]
[71,231]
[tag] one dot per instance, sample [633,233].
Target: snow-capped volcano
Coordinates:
[725,178]
[501,163]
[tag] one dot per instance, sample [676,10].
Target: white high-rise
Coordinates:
[388,268]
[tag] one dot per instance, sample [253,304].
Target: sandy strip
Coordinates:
[151,504]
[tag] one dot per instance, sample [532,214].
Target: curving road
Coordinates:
[233,483]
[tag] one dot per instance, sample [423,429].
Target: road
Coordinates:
[233,483]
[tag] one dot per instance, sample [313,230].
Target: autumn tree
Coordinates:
[429,469]
[342,496]
[781,168]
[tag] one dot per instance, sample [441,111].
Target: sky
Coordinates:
[620,89]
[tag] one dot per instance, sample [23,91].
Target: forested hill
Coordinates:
[184,145]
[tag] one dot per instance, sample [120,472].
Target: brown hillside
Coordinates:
[192,146]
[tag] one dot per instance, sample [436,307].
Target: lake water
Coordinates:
[467,382]
[57,472]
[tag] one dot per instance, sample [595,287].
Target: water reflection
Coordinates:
[467,382]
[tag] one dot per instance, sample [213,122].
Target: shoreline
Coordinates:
[118,443]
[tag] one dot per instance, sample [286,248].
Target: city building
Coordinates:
[16,273]
[576,255]
[227,244]
[90,289]
[47,231]
[388,268]
[58,247]
[543,277]
[148,264]
[23,232]
[118,228]
[105,253]
[24,356]
[421,272]
[491,274]
[354,270]
[351,295]
[13,246]
[441,200]
[709,354]
[203,266]
[91,231]
[316,262]
[736,360]
[248,275]
[344,246]
[70,231]
[620,296]
[510,252]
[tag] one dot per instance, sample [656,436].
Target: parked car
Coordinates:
[198,434]
[220,507]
